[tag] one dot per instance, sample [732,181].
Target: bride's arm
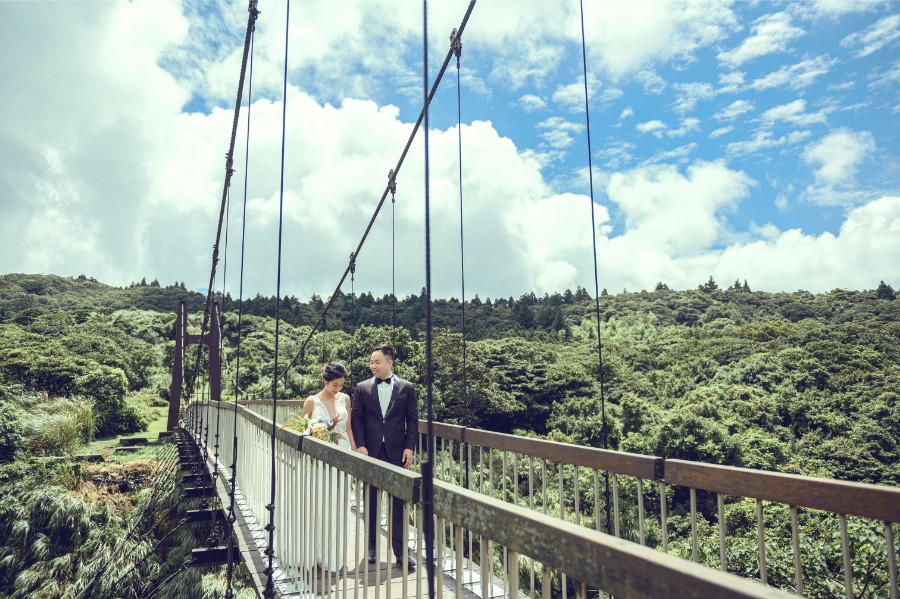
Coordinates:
[349,426]
[308,406]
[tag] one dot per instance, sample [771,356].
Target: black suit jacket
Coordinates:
[399,427]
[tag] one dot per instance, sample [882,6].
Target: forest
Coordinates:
[794,382]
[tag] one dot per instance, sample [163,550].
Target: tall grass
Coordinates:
[53,426]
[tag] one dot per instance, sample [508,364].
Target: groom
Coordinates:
[385,423]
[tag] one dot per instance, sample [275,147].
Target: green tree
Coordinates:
[885,292]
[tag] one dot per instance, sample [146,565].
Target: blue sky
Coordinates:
[742,140]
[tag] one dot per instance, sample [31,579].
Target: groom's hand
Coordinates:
[362,450]
[407,458]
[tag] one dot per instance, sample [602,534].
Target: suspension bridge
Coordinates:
[484,514]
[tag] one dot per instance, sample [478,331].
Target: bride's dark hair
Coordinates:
[334,370]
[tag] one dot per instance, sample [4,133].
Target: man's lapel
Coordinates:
[375,399]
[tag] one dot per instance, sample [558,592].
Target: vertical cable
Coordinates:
[392,185]
[428,466]
[456,44]
[353,306]
[269,592]
[587,113]
[232,518]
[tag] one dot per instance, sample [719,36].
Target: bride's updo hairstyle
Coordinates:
[333,370]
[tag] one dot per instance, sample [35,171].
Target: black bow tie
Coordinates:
[378,380]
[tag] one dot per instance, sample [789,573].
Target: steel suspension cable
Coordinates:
[456,43]
[392,186]
[229,171]
[428,465]
[150,552]
[387,189]
[587,114]
[353,308]
[231,517]
[269,592]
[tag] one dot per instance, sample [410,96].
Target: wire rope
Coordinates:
[587,113]
[392,186]
[428,466]
[301,351]
[229,171]
[231,518]
[396,171]
[270,507]
[456,43]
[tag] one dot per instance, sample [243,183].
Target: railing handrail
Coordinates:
[603,561]
[404,484]
[838,496]
[868,500]
[620,462]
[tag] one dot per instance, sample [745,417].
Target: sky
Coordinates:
[745,140]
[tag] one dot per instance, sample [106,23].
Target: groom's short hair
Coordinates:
[387,350]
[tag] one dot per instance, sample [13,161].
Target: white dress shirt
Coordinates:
[384,394]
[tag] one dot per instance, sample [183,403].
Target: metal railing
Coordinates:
[638,497]
[322,488]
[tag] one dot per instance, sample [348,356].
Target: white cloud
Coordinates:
[678,155]
[571,96]
[794,113]
[630,37]
[732,82]
[111,178]
[837,156]
[879,78]
[656,127]
[688,94]
[531,103]
[537,61]
[795,76]
[863,252]
[837,8]
[734,110]
[74,178]
[769,33]
[674,214]
[652,83]
[875,37]
[688,125]
[616,155]
[763,140]
[558,132]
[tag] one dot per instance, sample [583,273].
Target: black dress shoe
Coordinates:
[410,563]
[371,556]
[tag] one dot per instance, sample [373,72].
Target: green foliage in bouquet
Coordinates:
[313,427]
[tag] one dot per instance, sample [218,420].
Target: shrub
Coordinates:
[10,431]
[54,426]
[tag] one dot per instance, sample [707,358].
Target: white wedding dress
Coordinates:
[330,502]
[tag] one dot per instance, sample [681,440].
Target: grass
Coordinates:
[107,445]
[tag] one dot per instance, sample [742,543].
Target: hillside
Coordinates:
[796,382]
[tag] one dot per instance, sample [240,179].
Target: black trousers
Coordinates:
[396,513]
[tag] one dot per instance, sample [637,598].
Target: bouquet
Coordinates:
[314,427]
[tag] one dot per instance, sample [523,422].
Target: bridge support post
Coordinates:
[177,367]
[212,340]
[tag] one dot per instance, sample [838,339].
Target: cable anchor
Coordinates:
[455,45]
[392,184]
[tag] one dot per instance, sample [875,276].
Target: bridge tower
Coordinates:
[211,340]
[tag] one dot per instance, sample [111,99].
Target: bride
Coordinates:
[332,408]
